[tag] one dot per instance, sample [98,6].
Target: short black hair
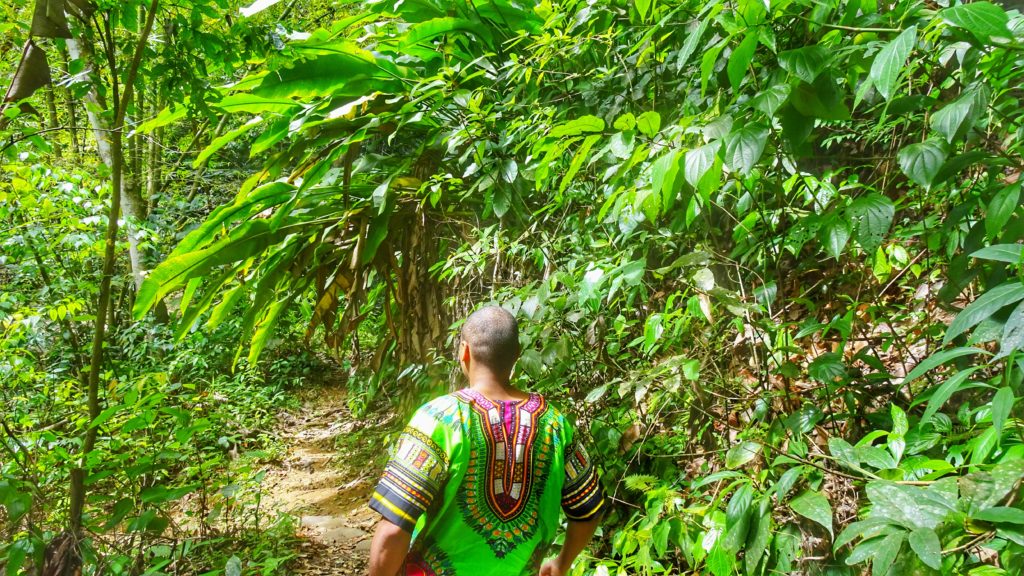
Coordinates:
[493,338]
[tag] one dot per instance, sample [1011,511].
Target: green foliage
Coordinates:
[769,251]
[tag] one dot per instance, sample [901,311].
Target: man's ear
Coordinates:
[464,355]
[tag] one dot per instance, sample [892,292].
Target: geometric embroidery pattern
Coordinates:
[582,494]
[412,479]
[483,481]
[426,560]
[498,496]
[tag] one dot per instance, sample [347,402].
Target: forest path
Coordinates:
[325,481]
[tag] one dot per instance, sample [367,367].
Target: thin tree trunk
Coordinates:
[134,207]
[116,151]
[153,166]
[76,148]
[51,107]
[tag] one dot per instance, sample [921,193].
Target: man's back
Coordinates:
[480,482]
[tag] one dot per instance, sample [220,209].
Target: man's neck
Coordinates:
[494,388]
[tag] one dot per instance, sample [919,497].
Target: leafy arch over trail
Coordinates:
[721,221]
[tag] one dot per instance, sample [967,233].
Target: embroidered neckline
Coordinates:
[509,461]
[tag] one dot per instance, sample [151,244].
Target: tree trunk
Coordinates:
[51,107]
[76,148]
[131,201]
[115,152]
[153,166]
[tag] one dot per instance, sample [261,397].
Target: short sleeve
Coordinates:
[582,494]
[415,474]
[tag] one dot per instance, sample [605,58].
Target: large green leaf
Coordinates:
[770,100]
[956,118]
[167,116]
[925,542]
[943,392]
[981,490]
[888,63]
[430,29]
[870,217]
[835,235]
[1001,515]
[247,239]
[742,453]
[922,161]
[266,325]
[824,99]
[740,59]
[664,172]
[224,139]
[643,8]
[744,147]
[985,306]
[814,506]
[1013,333]
[1000,209]
[690,45]
[252,104]
[886,553]
[1002,405]
[760,535]
[804,63]
[866,529]
[582,155]
[707,64]
[648,123]
[581,125]
[244,206]
[982,19]
[737,518]
[350,72]
[905,505]
[1009,253]
[698,162]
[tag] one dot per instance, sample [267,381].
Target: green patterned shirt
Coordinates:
[480,483]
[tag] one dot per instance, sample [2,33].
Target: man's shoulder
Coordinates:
[560,422]
[441,408]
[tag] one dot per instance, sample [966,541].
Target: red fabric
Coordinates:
[412,569]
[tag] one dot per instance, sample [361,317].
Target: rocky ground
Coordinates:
[325,481]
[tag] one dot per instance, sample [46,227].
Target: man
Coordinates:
[477,478]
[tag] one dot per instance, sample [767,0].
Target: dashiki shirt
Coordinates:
[479,484]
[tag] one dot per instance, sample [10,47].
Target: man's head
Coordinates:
[492,338]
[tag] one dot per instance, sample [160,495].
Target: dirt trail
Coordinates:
[325,481]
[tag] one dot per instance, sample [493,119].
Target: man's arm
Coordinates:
[388,549]
[577,537]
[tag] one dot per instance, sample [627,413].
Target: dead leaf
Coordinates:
[33,73]
[49,20]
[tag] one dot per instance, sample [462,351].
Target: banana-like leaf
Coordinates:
[191,313]
[431,29]
[352,73]
[248,239]
[244,206]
